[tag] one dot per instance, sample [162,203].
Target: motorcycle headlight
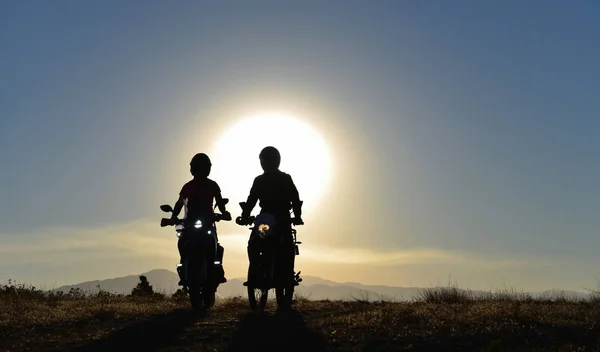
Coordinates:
[198,224]
[263,230]
[264,224]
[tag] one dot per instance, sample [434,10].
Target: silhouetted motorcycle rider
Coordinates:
[198,195]
[277,194]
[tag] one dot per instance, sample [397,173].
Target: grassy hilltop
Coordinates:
[441,319]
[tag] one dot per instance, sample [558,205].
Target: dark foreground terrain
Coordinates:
[106,323]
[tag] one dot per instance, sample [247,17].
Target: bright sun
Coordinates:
[304,155]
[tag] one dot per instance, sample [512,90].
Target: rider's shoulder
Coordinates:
[285,175]
[188,184]
[272,175]
[211,182]
[281,176]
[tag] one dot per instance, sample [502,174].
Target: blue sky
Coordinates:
[472,127]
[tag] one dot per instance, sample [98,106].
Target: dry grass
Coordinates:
[424,325]
[53,311]
[442,319]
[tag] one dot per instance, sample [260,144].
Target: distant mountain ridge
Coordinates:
[162,280]
[312,287]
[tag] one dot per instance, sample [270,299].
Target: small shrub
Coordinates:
[445,295]
[507,295]
[302,297]
[12,291]
[157,296]
[75,293]
[179,296]
[143,288]
[364,296]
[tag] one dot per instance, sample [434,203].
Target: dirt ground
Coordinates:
[168,325]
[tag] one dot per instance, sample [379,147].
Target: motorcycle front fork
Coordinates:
[181,269]
[267,270]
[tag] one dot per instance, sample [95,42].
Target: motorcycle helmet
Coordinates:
[200,165]
[270,158]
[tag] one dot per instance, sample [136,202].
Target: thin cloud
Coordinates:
[144,238]
[138,238]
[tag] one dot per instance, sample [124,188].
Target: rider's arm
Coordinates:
[177,208]
[295,199]
[252,199]
[179,203]
[219,200]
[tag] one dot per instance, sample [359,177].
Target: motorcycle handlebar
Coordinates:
[169,222]
[224,217]
[297,223]
[250,220]
[173,222]
[245,221]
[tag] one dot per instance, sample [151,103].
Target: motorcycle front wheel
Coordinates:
[257,297]
[284,296]
[209,299]
[197,301]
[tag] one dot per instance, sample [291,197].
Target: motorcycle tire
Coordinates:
[284,297]
[258,305]
[209,299]
[197,301]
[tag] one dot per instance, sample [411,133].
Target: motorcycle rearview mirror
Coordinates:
[223,202]
[166,208]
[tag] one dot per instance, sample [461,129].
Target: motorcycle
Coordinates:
[202,263]
[269,254]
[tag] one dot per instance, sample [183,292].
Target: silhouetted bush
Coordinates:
[143,288]
[13,291]
[75,293]
[179,295]
[445,295]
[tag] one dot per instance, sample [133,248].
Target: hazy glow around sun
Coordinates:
[304,155]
